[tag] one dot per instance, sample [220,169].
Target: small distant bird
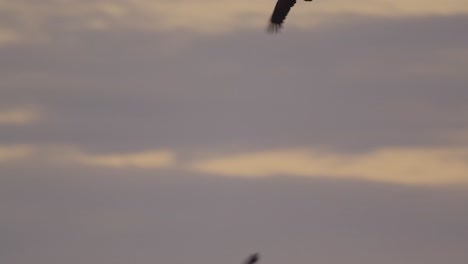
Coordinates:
[279,14]
[252,259]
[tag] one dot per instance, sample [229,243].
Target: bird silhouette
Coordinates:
[280,12]
[252,259]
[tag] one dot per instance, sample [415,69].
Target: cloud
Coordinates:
[404,165]
[393,8]
[15,153]
[390,83]
[460,137]
[394,165]
[34,19]
[83,216]
[7,37]
[141,160]
[52,155]
[20,116]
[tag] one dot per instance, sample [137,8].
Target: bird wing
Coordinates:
[279,14]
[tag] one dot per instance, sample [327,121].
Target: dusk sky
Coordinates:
[181,132]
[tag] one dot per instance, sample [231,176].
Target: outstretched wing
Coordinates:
[279,14]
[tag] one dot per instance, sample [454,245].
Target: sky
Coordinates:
[156,131]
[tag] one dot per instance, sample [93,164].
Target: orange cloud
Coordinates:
[395,165]
[69,155]
[208,15]
[143,160]
[20,116]
[15,153]
[7,36]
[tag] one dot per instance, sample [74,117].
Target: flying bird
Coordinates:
[279,14]
[252,259]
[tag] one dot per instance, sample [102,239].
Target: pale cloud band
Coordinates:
[15,153]
[20,116]
[393,165]
[142,160]
[31,17]
[68,155]
[410,166]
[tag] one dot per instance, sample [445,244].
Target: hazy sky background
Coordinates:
[175,132]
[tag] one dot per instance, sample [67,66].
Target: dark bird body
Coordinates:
[252,259]
[279,14]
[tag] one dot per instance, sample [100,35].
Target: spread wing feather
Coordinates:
[279,14]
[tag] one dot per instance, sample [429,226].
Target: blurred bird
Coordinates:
[279,14]
[252,259]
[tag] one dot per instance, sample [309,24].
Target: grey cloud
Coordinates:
[344,86]
[349,85]
[75,216]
